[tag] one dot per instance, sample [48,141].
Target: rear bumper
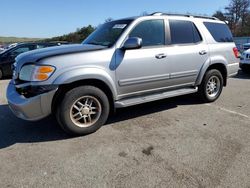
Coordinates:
[31,109]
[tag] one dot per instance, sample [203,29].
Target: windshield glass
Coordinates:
[108,33]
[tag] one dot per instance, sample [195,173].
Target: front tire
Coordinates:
[83,110]
[211,86]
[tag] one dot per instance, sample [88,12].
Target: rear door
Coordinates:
[187,52]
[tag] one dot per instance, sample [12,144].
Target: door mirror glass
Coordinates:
[132,43]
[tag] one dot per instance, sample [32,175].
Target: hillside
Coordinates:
[16,39]
[75,37]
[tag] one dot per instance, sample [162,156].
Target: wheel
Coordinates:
[211,86]
[83,110]
[1,74]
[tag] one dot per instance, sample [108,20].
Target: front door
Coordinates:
[144,70]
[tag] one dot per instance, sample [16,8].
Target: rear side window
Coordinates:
[219,31]
[184,32]
[152,32]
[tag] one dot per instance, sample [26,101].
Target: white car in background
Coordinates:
[245,61]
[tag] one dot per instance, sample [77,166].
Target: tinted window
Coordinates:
[184,32]
[219,31]
[152,32]
[22,49]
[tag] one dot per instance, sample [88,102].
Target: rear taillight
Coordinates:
[236,52]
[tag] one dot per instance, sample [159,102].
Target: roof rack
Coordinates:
[184,15]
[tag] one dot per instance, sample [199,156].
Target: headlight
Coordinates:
[36,73]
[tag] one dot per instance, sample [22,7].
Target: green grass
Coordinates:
[16,39]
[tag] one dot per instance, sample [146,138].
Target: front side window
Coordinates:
[152,32]
[184,32]
[108,33]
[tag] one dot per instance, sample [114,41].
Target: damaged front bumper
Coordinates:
[33,107]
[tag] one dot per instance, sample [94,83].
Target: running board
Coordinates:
[153,97]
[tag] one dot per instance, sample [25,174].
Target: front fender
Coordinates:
[87,73]
[207,64]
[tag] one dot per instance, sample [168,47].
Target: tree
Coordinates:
[75,37]
[218,14]
[144,13]
[236,13]
[109,20]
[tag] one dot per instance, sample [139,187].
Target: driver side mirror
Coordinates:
[132,43]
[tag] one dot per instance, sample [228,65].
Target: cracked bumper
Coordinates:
[31,109]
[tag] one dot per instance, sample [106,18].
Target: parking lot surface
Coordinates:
[177,142]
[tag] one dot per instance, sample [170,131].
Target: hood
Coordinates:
[36,55]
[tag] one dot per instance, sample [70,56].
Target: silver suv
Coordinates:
[123,63]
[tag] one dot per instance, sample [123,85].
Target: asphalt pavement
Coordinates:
[176,142]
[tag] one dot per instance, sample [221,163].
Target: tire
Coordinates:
[211,86]
[1,74]
[83,110]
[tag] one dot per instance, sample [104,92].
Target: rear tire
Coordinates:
[83,110]
[211,86]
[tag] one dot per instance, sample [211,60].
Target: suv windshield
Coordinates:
[108,33]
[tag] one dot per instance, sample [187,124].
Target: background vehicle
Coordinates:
[1,48]
[246,46]
[7,57]
[123,63]
[245,61]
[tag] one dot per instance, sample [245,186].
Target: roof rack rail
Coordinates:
[184,15]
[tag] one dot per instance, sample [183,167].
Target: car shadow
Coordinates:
[14,130]
[153,107]
[6,77]
[242,75]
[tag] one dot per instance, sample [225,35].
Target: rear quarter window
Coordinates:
[219,31]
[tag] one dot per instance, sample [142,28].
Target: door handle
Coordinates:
[203,52]
[160,56]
